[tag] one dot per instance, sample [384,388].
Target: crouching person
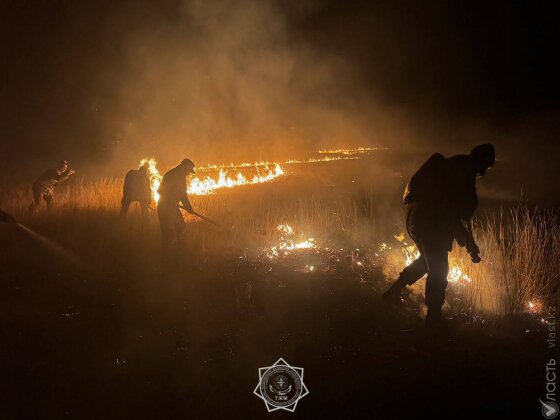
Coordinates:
[439,201]
[173,194]
[137,188]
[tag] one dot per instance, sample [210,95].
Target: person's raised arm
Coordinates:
[65,175]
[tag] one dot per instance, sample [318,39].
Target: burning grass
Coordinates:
[298,229]
[519,271]
[262,172]
[521,266]
[297,268]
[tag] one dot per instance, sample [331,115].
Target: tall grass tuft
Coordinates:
[520,270]
[520,248]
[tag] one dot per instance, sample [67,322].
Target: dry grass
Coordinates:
[521,263]
[521,250]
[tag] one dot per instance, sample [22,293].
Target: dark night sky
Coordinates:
[448,69]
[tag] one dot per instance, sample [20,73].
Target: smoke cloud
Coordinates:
[103,84]
[228,80]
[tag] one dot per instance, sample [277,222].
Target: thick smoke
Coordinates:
[104,83]
[229,80]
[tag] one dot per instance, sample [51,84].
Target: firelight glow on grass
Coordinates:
[265,171]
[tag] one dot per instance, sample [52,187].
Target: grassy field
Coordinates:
[179,329]
[520,247]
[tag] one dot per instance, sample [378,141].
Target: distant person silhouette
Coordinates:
[43,187]
[137,188]
[439,201]
[172,191]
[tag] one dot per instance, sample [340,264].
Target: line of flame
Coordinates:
[357,151]
[343,154]
[207,185]
[272,170]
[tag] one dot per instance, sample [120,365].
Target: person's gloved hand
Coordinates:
[475,258]
[473,251]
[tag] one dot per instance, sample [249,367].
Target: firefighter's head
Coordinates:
[188,166]
[62,166]
[483,157]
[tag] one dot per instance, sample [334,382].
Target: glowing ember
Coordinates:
[534,306]
[288,242]
[384,247]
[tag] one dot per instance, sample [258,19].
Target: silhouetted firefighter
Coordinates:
[43,187]
[172,191]
[439,201]
[137,188]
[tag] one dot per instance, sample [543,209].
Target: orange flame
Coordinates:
[411,253]
[288,242]
[207,185]
[155,177]
[266,171]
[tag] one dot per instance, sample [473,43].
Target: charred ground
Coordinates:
[131,333]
